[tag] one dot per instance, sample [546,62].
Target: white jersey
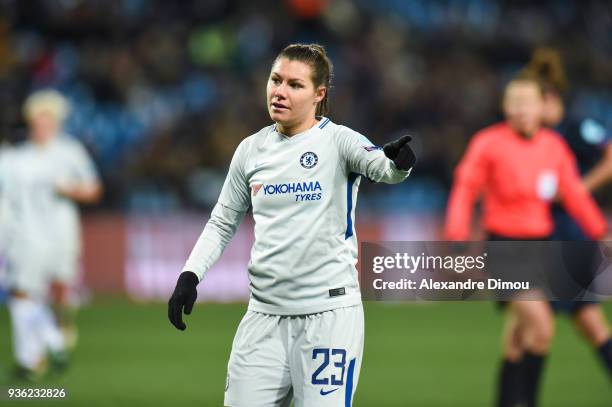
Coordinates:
[34,213]
[303,191]
[5,232]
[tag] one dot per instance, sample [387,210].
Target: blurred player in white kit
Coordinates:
[41,182]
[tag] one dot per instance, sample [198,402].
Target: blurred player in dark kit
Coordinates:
[591,145]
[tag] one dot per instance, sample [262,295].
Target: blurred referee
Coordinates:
[520,167]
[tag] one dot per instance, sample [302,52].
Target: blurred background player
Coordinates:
[519,167]
[301,339]
[42,180]
[74,181]
[588,141]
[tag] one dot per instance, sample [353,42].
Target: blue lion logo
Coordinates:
[309,159]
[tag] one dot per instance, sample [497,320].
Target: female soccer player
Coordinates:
[302,336]
[593,151]
[519,167]
[41,180]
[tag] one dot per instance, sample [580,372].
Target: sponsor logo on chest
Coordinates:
[310,190]
[303,190]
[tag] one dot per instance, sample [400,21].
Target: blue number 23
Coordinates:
[340,364]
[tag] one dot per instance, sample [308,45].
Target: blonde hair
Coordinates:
[48,101]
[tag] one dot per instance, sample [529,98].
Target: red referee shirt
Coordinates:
[519,178]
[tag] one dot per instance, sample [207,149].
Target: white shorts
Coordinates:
[31,269]
[27,274]
[64,269]
[313,360]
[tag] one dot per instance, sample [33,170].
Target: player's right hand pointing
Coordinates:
[182,299]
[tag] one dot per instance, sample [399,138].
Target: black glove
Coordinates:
[400,152]
[183,298]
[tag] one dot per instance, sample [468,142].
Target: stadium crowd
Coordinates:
[162,92]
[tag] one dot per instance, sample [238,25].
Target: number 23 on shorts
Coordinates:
[330,371]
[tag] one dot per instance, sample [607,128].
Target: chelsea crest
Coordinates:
[309,159]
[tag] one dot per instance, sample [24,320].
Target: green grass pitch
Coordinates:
[436,354]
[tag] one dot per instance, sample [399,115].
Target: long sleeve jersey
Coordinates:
[519,178]
[303,191]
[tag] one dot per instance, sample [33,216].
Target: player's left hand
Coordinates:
[400,152]
[183,298]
